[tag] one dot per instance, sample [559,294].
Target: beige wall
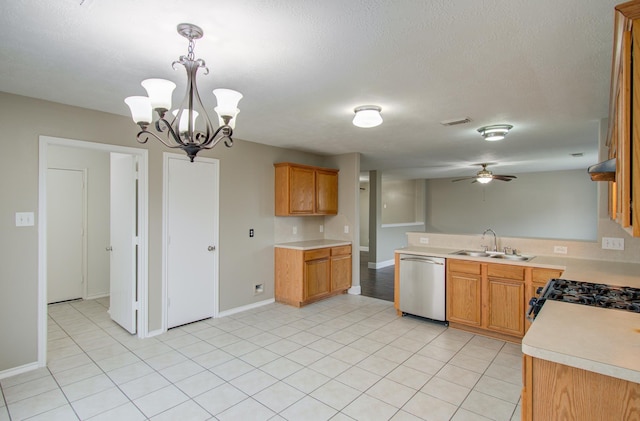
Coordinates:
[556,204]
[402,201]
[246,201]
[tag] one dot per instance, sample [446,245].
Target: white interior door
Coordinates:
[65,234]
[191,224]
[123,240]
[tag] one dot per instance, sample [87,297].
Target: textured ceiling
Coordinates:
[303,65]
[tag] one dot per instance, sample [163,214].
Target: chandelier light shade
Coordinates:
[495,132]
[190,128]
[367,116]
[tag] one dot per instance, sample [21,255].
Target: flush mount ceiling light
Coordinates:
[367,116]
[495,132]
[182,130]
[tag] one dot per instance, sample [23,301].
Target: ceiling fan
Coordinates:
[484,176]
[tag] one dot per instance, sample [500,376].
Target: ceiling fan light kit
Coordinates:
[367,116]
[182,132]
[495,132]
[485,176]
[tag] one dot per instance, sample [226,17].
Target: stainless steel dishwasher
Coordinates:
[422,286]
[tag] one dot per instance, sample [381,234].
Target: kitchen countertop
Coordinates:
[313,244]
[602,340]
[605,341]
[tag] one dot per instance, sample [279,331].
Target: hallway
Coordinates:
[376,283]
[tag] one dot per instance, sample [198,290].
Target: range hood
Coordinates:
[604,171]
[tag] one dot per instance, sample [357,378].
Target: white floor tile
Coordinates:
[335,394]
[366,407]
[99,403]
[220,398]
[160,400]
[37,404]
[308,409]
[187,411]
[247,410]
[199,383]
[488,406]
[335,359]
[393,393]
[279,396]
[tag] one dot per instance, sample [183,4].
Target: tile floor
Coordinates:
[345,358]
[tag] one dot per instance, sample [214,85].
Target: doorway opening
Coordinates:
[141,214]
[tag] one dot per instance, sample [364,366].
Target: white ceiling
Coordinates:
[303,65]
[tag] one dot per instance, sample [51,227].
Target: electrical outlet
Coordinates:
[321,228]
[424,240]
[560,249]
[612,243]
[295,230]
[24,219]
[346,229]
[251,232]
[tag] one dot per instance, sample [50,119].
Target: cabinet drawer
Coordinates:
[316,254]
[463,266]
[339,251]
[506,271]
[543,275]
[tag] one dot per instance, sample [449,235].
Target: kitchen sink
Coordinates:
[512,257]
[493,255]
[474,253]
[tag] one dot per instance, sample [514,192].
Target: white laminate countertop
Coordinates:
[602,340]
[313,244]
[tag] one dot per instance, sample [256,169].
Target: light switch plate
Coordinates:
[24,219]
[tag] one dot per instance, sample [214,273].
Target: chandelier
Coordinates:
[179,129]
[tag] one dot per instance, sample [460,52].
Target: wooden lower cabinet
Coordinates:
[302,277]
[554,391]
[464,285]
[341,268]
[492,298]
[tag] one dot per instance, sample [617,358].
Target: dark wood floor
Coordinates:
[375,283]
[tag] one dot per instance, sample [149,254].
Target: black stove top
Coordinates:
[587,293]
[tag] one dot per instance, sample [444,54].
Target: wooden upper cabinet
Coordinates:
[326,192]
[305,190]
[302,190]
[623,138]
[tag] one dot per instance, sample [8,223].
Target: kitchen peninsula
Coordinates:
[570,350]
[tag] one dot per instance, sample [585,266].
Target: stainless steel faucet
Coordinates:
[495,238]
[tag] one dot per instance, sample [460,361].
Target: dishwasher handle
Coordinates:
[421,260]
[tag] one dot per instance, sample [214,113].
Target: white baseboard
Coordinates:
[96,296]
[380,265]
[18,370]
[155,333]
[355,290]
[364,248]
[245,308]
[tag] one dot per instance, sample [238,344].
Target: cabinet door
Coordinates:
[340,272]
[505,303]
[301,190]
[463,298]
[316,278]
[326,192]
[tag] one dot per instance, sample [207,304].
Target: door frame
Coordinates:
[85,264]
[143,227]
[215,187]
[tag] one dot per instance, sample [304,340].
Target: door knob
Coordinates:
[109,248]
[211,248]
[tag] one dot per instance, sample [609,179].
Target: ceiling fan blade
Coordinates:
[504,177]
[463,178]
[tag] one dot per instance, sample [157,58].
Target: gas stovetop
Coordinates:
[587,293]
